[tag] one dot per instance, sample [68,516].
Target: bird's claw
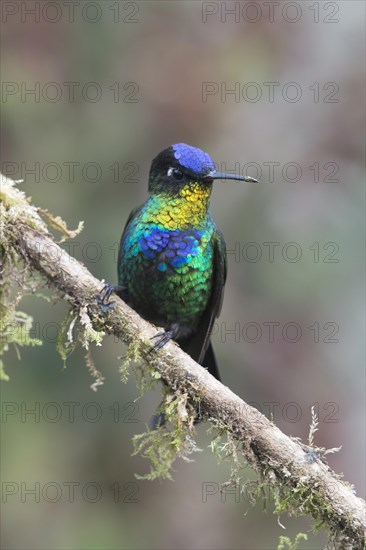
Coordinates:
[106,293]
[104,296]
[162,339]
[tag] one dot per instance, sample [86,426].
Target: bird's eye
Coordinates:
[175,173]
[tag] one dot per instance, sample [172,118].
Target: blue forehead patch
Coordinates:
[193,158]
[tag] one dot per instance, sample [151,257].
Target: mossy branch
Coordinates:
[302,481]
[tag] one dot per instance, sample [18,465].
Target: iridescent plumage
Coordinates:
[166,263]
[172,257]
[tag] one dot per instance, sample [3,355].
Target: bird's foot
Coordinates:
[163,338]
[105,294]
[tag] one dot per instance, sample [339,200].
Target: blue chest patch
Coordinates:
[193,158]
[170,248]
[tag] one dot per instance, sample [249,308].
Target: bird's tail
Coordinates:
[210,363]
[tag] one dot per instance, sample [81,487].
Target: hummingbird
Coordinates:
[172,261]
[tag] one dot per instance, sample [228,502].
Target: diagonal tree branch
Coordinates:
[278,458]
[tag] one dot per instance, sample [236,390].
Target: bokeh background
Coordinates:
[162,55]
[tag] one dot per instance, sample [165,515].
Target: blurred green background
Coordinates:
[162,55]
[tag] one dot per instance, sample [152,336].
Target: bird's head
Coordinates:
[181,167]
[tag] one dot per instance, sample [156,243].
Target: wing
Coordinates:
[199,343]
[134,212]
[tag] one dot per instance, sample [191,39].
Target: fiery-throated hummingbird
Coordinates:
[172,255]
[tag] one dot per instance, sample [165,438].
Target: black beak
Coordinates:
[223,176]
